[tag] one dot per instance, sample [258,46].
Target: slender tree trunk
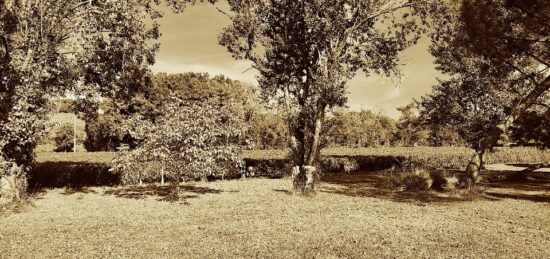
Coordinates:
[74,134]
[306,149]
[478,159]
[162,175]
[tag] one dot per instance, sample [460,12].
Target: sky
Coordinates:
[189,43]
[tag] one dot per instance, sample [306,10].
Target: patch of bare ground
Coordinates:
[352,217]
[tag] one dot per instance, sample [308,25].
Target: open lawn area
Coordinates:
[353,216]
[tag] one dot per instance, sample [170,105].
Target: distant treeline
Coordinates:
[266,128]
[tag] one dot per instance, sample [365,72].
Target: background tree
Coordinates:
[306,51]
[103,116]
[532,128]
[267,130]
[500,47]
[103,131]
[358,129]
[410,130]
[63,138]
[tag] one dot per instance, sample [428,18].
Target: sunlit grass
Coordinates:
[261,218]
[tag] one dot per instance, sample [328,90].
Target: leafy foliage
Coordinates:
[104,118]
[358,129]
[306,51]
[50,48]
[267,131]
[496,54]
[189,140]
[64,138]
[13,181]
[103,131]
[532,128]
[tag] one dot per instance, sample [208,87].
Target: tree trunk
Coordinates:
[306,155]
[162,176]
[478,159]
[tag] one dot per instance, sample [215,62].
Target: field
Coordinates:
[355,215]
[351,217]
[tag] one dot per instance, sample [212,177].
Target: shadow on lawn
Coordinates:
[73,190]
[376,185]
[165,193]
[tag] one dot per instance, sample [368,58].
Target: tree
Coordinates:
[306,51]
[501,48]
[358,129]
[103,131]
[64,138]
[50,48]
[189,139]
[267,131]
[410,130]
[532,128]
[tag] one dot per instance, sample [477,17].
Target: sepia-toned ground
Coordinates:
[351,217]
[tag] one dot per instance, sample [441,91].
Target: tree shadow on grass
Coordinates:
[530,186]
[73,190]
[164,193]
[377,185]
[287,192]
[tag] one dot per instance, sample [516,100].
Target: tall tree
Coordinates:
[50,48]
[307,50]
[501,49]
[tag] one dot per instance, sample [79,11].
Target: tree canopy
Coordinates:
[306,51]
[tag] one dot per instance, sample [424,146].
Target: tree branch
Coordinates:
[223,12]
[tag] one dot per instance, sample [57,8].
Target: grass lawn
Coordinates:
[352,216]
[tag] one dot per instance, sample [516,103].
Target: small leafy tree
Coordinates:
[64,138]
[188,140]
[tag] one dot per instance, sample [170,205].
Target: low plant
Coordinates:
[415,180]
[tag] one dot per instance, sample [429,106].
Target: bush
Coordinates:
[64,138]
[444,181]
[13,182]
[416,180]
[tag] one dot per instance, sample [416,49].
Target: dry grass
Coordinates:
[350,217]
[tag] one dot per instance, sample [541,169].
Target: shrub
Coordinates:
[64,138]
[416,180]
[339,164]
[444,181]
[13,182]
